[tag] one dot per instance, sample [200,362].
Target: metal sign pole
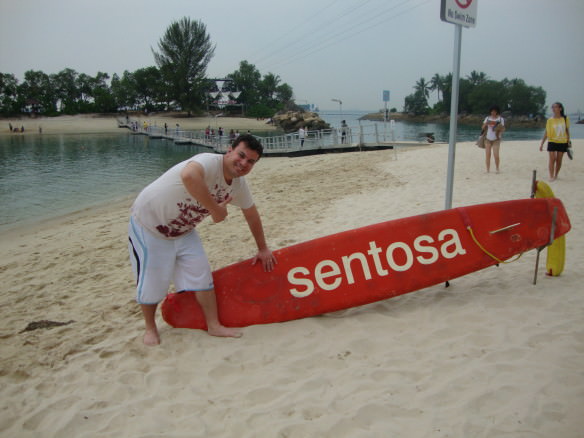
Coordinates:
[453,115]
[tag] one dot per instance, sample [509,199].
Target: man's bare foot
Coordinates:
[225,332]
[151,338]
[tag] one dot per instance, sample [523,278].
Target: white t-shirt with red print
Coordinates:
[167,209]
[492,125]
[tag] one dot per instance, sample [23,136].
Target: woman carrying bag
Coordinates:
[557,132]
[494,125]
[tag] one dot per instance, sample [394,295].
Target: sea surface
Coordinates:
[441,131]
[47,176]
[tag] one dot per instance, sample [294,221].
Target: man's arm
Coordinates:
[193,178]
[254,221]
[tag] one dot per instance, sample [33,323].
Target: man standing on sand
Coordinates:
[164,245]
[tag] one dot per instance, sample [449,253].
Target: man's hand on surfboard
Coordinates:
[267,258]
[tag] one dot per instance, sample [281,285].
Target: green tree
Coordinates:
[284,94]
[422,87]
[103,99]
[38,92]
[482,96]
[267,88]
[477,93]
[437,84]
[85,85]
[523,99]
[417,102]
[464,89]
[147,86]
[247,80]
[477,78]
[184,53]
[66,84]
[9,99]
[124,91]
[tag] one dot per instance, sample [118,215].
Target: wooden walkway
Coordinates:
[354,139]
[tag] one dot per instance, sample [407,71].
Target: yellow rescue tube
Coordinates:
[556,252]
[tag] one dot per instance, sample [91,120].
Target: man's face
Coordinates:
[239,161]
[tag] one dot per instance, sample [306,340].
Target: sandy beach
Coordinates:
[107,124]
[492,355]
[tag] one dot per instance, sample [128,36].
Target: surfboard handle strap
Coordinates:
[508,227]
[483,249]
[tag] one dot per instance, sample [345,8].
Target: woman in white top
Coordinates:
[495,125]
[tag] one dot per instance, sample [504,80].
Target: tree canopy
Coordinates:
[477,92]
[262,95]
[185,51]
[178,82]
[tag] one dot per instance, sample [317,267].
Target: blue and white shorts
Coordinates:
[157,262]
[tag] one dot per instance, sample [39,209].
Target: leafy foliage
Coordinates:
[177,82]
[476,94]
[263,96]
[184,53]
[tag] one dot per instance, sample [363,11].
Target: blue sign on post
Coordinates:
[386,95]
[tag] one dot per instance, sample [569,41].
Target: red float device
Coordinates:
[374,263]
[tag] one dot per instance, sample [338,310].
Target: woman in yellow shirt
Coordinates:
[557,132]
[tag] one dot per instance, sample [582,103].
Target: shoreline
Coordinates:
[108,124]
[16,231]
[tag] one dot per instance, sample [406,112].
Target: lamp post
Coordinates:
[340,105]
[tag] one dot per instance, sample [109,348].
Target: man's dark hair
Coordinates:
[251,142]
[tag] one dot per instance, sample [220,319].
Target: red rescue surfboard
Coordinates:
[373,263]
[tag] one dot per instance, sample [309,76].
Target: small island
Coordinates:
[464,119]
[524,104]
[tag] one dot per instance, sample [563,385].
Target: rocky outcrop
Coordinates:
[291,121]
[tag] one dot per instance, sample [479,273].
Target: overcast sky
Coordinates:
[345,49]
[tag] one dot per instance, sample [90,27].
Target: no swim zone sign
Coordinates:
[463,12]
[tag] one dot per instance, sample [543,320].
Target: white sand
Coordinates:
[491,356]
[94,124]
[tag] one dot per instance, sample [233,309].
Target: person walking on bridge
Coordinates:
[301,135]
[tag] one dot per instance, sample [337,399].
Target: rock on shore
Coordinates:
[291,121]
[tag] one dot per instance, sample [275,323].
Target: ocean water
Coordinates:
[412,131]
[47,176]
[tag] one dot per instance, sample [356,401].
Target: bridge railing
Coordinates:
[317,139]
[328,138]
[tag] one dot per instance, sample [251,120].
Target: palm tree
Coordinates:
[477,78]
[422,87]
[436,84]
[268,86]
